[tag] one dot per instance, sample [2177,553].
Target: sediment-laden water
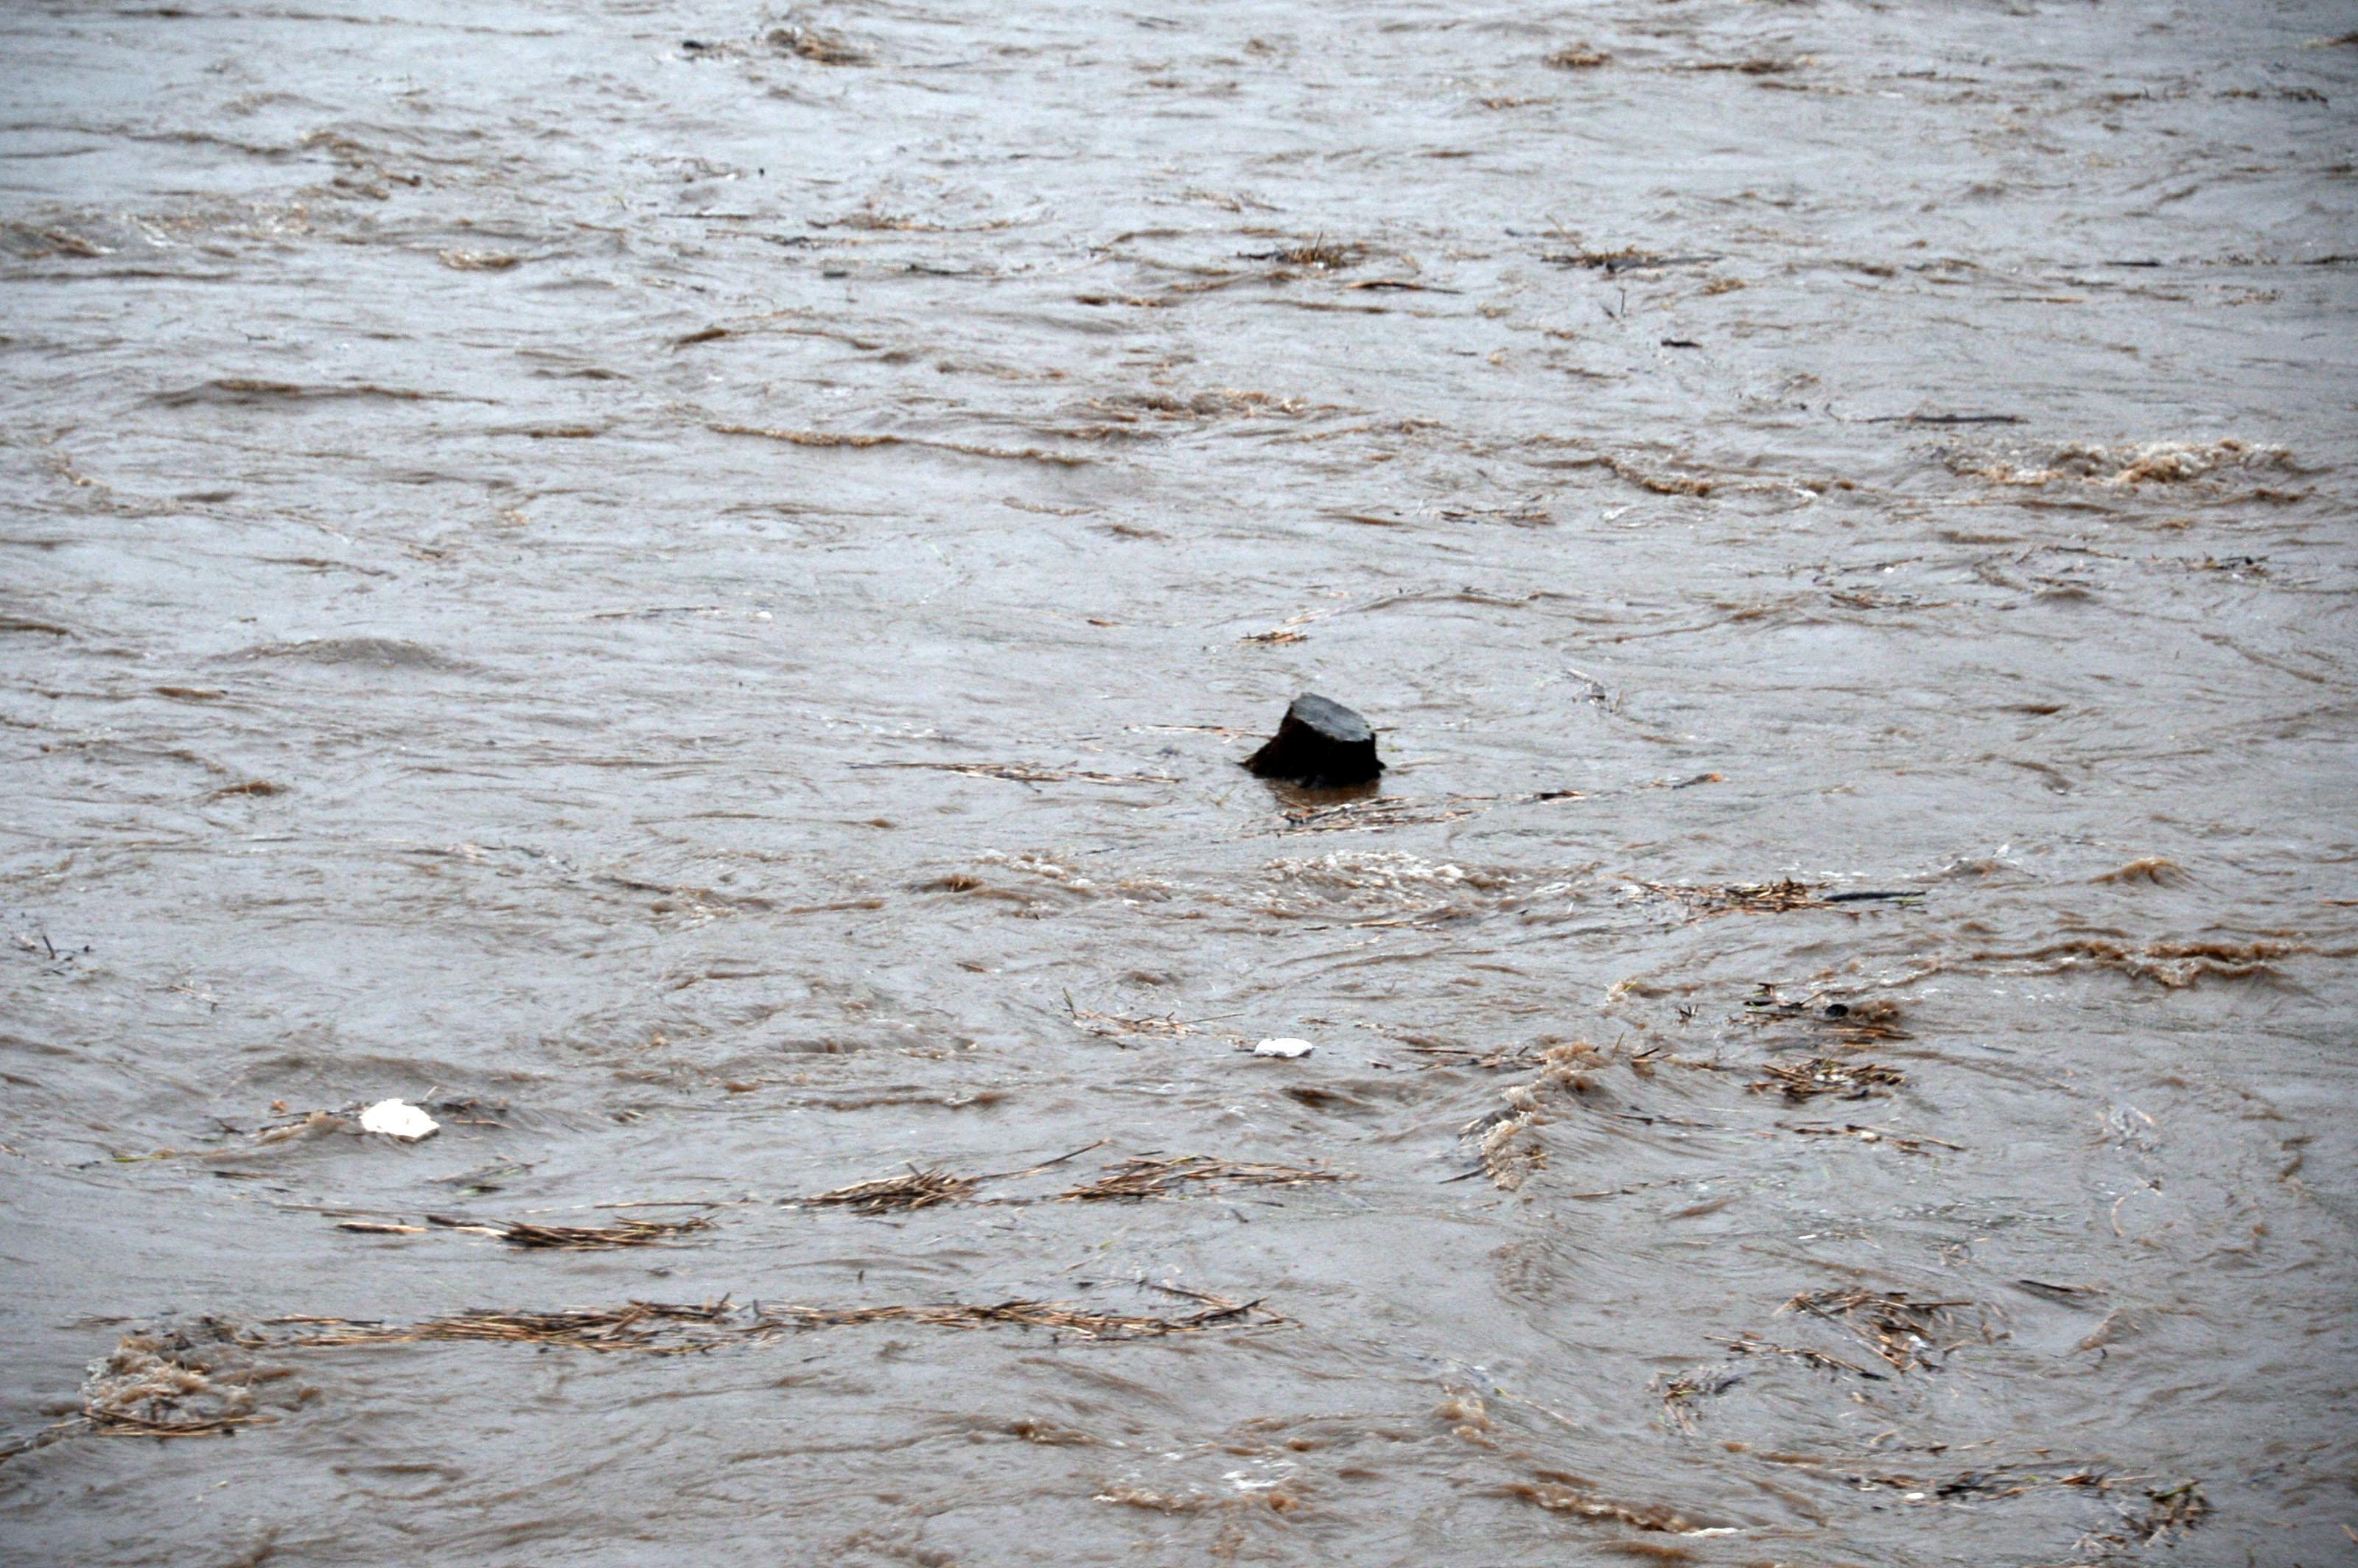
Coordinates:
[684,587]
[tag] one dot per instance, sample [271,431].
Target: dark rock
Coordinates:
[1322,744]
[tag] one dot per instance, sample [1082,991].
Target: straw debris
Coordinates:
[1752,1345]
[661,1329]
[1682,1393]
[1825,1076]
[1319,254]
[904,1194]
[1747,898]
[1153,1178]
[571,1238]
[1910,1335]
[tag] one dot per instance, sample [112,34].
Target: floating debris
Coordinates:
[1153,1178]
[1680,1392]
[2173,1512]
[1752,1345]
[2122,468]
[1026,772]
[669,1328]
[571,1238]
[1826,1076]
[811,44]
[1907,1143]
[1508,1158]
[1749,898]
[1390,811]
[1115,1025]
[2150,868]
[1320,744]
[1901,1331]
[1559,1493]
[198,1381]
[399,1118]
[2173,965]
[1629,258]
[1287,1050]
[1320,254]
[1849,1023]
[917,1189]
[1578,56]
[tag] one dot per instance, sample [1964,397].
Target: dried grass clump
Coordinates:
[1578,56]
[917,1189]
[1825,1076]
[1321,254]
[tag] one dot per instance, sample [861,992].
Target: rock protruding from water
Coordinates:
[1322,744]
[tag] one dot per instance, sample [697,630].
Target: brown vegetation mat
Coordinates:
[1152,1178]
[1825,1076]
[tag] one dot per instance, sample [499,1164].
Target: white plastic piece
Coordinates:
[1289,1049]
[399,1118]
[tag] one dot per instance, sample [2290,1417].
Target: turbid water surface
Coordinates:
[683,586]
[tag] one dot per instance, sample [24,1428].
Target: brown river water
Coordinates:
[685,587]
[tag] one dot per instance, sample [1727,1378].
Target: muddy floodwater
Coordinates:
[683,589]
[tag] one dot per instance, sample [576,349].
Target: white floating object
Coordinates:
[1289,1049]
[399,1118]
